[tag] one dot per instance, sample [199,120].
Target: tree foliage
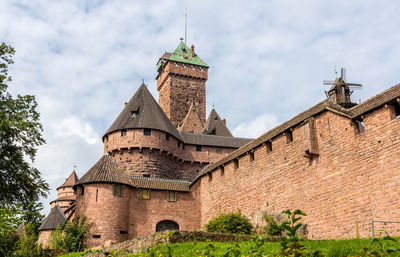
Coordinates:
[233,223]
[20,135]
[70,236]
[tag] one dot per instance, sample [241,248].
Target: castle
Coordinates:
[165,166]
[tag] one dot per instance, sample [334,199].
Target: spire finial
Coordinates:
[74,167]
[185,26]
[213,105]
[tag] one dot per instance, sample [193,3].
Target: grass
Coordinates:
[332,248]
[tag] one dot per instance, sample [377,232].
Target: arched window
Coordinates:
[166,225]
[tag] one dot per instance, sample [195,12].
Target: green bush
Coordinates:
[233,223]
[27,244]
[70,236]
[272,227]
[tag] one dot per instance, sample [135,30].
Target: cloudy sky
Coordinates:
[84,59]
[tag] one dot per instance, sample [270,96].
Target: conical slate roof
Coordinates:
[105,170]
[70,181]
[142,111]
[55,218]
[215,126]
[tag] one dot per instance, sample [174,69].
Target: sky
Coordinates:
[84,59]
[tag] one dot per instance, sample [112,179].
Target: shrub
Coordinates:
[272,227]
[70,236]
[27,244]
[233,223]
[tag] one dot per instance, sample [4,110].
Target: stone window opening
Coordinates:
[222,169]
[397,110]
[289,136]
[198,148]
[147,132]
[191,66]
[167,137]
[123,232]
[251,154]
[175,64]
[183,65]
[360,126]
[171,196]
[97,194]
[200,68]
[123,132]
[135,112]
[219,150]
[236,163]
[96,236]
[268,145]
[145,194]
[209,177]
[83,190]
[117,189]
[146,175]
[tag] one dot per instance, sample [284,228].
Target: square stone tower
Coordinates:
[181,80]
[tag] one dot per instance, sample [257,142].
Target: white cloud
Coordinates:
[256,127]
[72,126]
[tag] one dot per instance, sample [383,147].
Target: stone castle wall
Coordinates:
[355,177]
[160,154]
[178,85]
[117,218]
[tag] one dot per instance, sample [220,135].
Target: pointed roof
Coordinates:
[182,54]
[55,218]
[70,181]
[105,170]
[215,126]
[191,122]
[142,111]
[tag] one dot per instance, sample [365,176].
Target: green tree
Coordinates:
[20,136]
[9,220]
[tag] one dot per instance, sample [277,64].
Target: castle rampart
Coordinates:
[350,176]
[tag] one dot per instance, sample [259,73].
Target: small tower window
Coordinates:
[123,132]
[222,169]
[397,110]
[360,126]
[183,65]
[201,68]
[198,148]
[146,194]
[147,132]
[171,196]
[191,66]
[175,64]
[209,177]
[83,190]
[219,150]
[167,136]
[117,190]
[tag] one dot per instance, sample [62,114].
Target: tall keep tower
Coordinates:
[181,82]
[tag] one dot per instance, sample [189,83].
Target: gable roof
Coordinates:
[326,105]
[215,126]
[105,170]
[191,123]
[142,111]
[70,181]
[55,218]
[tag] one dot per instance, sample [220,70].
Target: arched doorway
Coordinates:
[166,225]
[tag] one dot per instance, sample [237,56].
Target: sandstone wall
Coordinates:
[108,214]
[160,154]
[180,84]
[355,177]
[145,214]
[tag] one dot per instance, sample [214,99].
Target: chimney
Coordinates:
[192,50]
[125,104]
[224,121]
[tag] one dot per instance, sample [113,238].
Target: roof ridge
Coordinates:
[159,179]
